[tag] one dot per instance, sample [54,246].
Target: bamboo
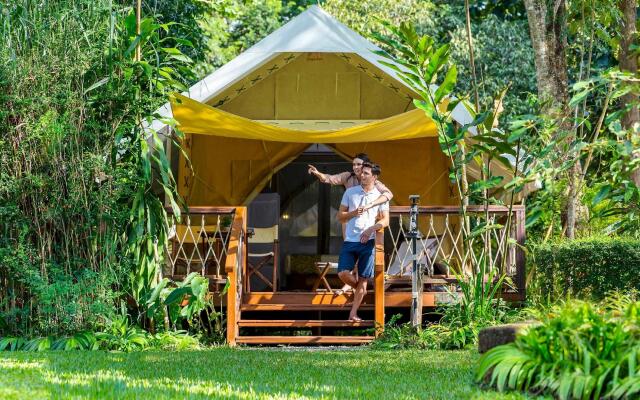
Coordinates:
[138,55]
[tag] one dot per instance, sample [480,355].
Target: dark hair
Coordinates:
[375,168]
[363,156]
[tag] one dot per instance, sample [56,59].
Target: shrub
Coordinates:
[117,336]
[478,306]
[580,350]
[587,268]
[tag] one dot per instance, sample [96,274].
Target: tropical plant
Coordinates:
[81,222]
[424,66]
[118,334]
[78,341]
[397,336]
[477,307]
[151,70]
[580,350]
[174,340]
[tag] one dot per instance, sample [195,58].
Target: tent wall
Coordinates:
[233,171]
[314,86]
[230,171]
[415,166]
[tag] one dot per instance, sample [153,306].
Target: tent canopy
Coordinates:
[195,117]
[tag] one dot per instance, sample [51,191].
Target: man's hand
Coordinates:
[344,216]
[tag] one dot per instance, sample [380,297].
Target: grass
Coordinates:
[242,374]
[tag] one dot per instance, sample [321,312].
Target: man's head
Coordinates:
[358,160]
[369,173]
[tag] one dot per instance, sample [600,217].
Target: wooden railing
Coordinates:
[212,241]
[235,268]
[378,283]
[441,247]
[199,242]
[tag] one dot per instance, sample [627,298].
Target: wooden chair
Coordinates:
[322,268]
[256,262]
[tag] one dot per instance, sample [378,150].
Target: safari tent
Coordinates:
[312,92]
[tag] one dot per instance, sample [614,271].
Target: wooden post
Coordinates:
[236,254]
[521,272]
[416,270]
[379,283]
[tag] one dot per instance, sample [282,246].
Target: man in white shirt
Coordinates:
[362,222]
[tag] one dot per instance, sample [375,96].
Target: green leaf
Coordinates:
[177,295]
[447,85]
[426,106]
[97,84]
[602,194]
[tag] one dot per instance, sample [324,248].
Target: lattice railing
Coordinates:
[440,245]
[199,242]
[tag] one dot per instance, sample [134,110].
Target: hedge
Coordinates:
[587,268]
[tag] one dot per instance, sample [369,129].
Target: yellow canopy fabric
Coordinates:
[233,158]
[196,117]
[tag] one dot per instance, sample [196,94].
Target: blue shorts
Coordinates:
[363,253]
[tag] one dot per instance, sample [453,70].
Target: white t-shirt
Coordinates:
[355,197]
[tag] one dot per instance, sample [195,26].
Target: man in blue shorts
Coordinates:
[362,222]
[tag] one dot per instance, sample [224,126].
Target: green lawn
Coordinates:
[242,374]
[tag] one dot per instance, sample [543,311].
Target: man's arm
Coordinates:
[381,223]
[344,215]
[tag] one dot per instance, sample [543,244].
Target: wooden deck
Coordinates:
[320,317]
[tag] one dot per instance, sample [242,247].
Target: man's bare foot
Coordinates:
[355,318]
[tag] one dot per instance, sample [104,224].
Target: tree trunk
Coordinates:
[629,63]
[547,26]
[547,23]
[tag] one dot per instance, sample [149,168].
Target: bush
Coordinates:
[117,336]
[580,350]
[587,268]
[478,305]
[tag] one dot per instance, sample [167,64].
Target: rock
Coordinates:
[493,336]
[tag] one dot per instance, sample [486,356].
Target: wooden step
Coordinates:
[303,323]
[301,307]
[355,340]
[305,301]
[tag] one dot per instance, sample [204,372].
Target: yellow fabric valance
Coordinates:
[198,118]
[232,158]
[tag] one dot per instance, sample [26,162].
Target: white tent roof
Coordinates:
[312,31]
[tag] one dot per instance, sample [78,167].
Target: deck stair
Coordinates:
[302,318]
[297,340]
